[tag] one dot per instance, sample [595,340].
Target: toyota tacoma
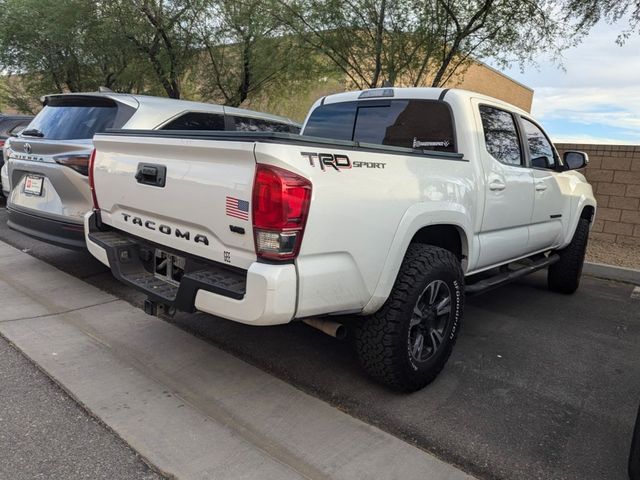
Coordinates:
[388,208]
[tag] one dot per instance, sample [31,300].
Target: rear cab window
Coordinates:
[77,117]
[415,124]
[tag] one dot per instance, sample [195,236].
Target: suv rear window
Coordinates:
[72,118]
[420,124]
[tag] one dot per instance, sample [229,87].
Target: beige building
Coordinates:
[478,77]
[484,79]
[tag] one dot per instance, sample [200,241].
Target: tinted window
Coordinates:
[501,135]
[19,127]
[197,121]
[67,118]
[332,121]
[248,124]
[421,124]
[540,148]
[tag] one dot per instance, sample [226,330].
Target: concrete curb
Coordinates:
[191,410]
[608,272]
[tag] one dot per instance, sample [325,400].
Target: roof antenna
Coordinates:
[105,90]
[387,84]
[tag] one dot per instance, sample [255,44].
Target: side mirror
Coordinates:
[575,160]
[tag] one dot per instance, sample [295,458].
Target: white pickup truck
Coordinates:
[389,206]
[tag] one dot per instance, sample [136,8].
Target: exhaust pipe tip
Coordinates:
[329,327]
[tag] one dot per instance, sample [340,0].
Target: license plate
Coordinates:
[169,267]
[33,185]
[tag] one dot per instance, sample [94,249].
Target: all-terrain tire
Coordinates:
[564,275]
[383,341]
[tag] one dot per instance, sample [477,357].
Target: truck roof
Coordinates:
[424,93]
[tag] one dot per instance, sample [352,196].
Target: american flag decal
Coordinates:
[237,208]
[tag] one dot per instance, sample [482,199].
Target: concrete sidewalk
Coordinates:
[190,409]
[45,434]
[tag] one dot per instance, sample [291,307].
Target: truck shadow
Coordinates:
[526,392]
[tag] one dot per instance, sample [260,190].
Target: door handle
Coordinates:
[150,174]
[541,186]
[497,185]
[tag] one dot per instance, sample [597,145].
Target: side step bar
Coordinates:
[510,275]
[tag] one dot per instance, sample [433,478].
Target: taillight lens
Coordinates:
[280,207]
[92,181]
[2,143]
[79,163]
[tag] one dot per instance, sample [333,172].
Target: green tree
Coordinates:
[246,52]
[62,46]
[164,34]
[590,12]
[420,42]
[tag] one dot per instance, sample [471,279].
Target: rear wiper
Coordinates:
[33,132]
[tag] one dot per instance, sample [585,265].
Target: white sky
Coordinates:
[596,99]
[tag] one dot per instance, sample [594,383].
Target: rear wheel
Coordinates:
[564,275]
[407,342]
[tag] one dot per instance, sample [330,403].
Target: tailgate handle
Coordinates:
[150,174]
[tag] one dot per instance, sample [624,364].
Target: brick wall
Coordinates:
[614,172]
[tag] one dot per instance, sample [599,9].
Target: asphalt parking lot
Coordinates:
[45,434]
[540,385]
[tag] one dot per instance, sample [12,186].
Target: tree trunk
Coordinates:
[379,40]
[245,84]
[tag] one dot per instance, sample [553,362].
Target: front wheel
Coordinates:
[564,275]
[408,341]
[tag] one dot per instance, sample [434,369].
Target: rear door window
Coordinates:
[501,135]
[69,118]
[417,124]
[197,121]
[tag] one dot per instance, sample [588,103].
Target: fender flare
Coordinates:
[415,218]
[583,201]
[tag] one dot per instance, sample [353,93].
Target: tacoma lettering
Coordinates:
[165,229]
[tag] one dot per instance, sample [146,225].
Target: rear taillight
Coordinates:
[2,143]
[92,180]
[79,163]
[280,207]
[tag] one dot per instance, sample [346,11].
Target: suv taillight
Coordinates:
[280,206]
[92,184]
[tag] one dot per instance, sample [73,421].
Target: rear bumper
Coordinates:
[63,234]
[262,295]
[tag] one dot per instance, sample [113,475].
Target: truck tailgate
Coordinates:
[204,197]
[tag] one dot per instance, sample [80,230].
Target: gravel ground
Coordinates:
[615,254]
[45,434]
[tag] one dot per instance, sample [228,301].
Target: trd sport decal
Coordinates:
[237,208]
[337,161]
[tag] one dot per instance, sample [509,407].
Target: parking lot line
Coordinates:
[189,408]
